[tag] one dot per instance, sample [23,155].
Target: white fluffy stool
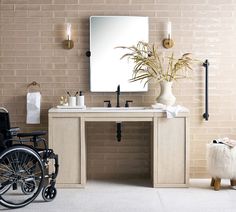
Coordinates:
[221,161]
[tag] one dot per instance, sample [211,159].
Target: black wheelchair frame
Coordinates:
[24,167]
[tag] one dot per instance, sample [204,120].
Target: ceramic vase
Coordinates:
[166,96]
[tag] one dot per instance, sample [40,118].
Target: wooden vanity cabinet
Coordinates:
[169,145]
[65,140]
[170,152]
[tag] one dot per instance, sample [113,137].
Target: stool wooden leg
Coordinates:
[212,181]
[232,182]
[217,184]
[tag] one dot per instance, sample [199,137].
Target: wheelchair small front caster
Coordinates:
[49,193]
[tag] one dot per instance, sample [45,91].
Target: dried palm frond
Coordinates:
[150,65]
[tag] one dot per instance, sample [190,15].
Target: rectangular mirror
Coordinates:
[107,70]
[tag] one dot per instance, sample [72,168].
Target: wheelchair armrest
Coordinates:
[32,134]
[13,131]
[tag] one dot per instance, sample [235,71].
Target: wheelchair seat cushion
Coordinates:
[32,134]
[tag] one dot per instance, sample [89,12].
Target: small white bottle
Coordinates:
[80,99]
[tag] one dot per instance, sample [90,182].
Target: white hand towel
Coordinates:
[33,108]
[172,111]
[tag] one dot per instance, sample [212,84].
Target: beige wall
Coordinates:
[31,34]
[107,158]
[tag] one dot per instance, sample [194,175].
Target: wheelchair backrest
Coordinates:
[4,124]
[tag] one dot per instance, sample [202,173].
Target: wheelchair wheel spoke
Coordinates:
[5,168]
[28,169]
[9,162]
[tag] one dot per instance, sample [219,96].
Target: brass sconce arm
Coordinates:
[68,44]
[168,43]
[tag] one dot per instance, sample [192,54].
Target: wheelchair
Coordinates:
[24,167]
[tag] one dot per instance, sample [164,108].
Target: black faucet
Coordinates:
[118,96]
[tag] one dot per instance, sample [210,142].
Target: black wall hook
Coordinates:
[88,54]
[206,114]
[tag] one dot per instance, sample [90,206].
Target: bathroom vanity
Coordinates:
[169,145]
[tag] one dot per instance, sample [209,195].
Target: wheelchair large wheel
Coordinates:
[21,176]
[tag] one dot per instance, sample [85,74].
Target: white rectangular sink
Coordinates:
[116,108]
[107,109]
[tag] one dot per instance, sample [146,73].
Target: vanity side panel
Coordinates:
[64,139]
[154,151]
[171,152]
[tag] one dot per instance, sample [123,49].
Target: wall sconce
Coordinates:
[68,44]
[168,42]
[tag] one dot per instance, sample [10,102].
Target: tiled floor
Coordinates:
[136,196]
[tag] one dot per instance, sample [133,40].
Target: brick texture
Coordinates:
[31,35]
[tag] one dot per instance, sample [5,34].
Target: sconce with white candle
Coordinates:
[68,43]
[168,42]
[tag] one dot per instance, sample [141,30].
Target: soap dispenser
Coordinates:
[80,99]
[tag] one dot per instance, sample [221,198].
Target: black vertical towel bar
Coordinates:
[206,114]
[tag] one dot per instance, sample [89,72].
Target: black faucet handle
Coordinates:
[109,103]
[127,103]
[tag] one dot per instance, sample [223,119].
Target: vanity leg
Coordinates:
[83,175]
[217,184]
[212,181]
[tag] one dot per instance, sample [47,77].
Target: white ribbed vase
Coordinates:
[166,96]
